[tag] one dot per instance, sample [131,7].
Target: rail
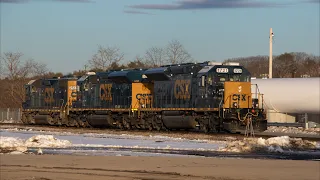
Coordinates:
[287,124]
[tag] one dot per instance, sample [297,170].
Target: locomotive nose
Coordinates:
[237,95]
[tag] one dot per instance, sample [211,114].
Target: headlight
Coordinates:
[235,104]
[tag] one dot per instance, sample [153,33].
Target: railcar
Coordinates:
[204,96]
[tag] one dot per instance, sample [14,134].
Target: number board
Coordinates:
[222,70]
[73,87]
[237,70]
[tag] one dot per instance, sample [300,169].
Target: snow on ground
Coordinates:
[15,140]
[10,121]
[274,144]
[19,141]
[107,135]
[91,141]
[294,130]
[15,144]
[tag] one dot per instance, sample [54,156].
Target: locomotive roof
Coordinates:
[170,71]
[224,69]
[126,75]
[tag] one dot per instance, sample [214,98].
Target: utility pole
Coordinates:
[270,53]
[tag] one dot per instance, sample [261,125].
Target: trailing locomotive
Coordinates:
[206,96]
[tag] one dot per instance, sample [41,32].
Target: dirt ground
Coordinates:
[64,167]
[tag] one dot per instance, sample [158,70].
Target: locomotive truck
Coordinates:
[206,96]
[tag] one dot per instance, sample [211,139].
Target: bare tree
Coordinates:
[139,62]
[14,69]
[17,73]
[155,56]
[176,53]
[256,65]
[285,66]
[311,67]
[12,64]
[39,69]
[105,57]
[1,69]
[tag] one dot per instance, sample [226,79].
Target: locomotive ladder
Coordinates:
[249,127]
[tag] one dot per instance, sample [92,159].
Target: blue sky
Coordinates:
[66,33]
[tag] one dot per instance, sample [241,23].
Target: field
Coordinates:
[39,153]
[52,167]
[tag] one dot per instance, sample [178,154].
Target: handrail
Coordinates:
[221,103]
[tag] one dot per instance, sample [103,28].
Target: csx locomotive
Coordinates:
[206,96]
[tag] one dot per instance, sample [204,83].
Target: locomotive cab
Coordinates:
[230,82]
[239,100]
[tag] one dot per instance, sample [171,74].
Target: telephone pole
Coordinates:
[270,53]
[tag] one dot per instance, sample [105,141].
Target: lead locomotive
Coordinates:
[206,96]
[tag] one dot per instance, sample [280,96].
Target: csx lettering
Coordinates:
[243,97]
[48,95]
[142,96]
[181,89]
[105,92]
[236,97]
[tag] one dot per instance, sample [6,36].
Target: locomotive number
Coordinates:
[238,71]
[105,92]
[222,70]
[181,89]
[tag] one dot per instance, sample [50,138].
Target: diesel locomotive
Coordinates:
[208,96]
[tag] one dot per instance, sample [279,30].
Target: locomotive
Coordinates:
[208,97]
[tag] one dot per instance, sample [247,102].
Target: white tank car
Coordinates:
[290,95]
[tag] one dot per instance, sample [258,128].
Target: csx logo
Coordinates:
[48,98]
[105,92]
[181,89]
[238,97]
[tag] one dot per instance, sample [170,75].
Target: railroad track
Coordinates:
[211,136]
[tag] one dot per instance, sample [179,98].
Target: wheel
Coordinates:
[150,127]
[204,128]
[126,124]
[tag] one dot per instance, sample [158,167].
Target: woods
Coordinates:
[16,70]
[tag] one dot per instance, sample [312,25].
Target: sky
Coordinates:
[65,34]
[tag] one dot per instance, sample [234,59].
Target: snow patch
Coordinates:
[11,144]
[46,141]
[11,121]
[294,130]
[16,145]
[274,144]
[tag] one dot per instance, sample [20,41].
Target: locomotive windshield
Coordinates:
[222,74]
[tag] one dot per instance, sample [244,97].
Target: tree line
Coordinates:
[15,71]
[286,65]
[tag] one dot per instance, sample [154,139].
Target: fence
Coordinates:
[10,115]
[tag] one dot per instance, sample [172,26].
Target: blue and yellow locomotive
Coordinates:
[208,96]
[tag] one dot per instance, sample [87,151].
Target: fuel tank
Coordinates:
[99,120]
[290,95]
[42,119]
[179,122]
